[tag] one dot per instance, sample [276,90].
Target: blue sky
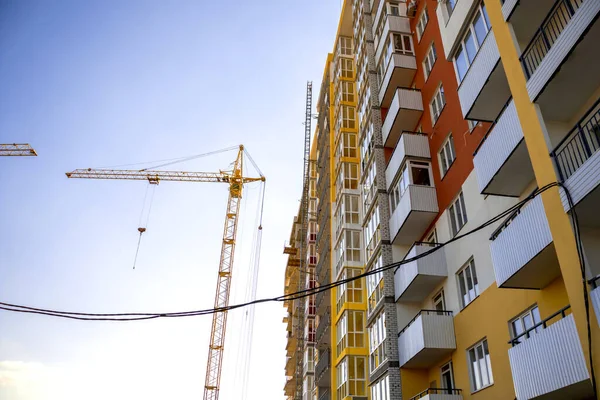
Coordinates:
[101,83]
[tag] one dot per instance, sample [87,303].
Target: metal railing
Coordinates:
[324,395]
[436,391]
[324,325]
[579,144]
[426,312]
[510,219]
[544,324]
[553,25]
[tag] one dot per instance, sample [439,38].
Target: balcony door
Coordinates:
[447,378]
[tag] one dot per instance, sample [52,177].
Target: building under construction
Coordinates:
[457,142]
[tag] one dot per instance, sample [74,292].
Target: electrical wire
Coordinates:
[282,298]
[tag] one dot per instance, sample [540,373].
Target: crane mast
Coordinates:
[16,150]
[236,180]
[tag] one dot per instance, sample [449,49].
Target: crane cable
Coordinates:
[143,225]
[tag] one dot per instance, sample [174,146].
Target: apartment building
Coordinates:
[443,115]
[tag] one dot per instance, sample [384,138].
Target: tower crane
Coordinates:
[17,150]
[236,180]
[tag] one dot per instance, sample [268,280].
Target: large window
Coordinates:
[380,390]
[525,321]
[411,173]
[429,60]
[377,337]
[351,377]
[480,366]
[375,284]
[471,42]
[447,155]
[351,292]
[423,19]
[372,233]
[467,283]
[369,186]
[458,214]
[437,104]
[350,330]
[347,176]
[309,359]
[309,330]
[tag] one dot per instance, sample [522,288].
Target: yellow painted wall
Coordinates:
[560,226]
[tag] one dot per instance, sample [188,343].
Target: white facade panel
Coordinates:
[526,236]
[484,63]
[404,100]
[402,62]
[410,145]
[562,47]
[498,146]
[595,295]
[548,361]
[508,7]
[583,181]
[415,198]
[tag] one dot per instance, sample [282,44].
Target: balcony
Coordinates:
[324,394]
[323,300]
[547,361]
[427,339]
[400,72]
[522,249]
[416,210]
[323,332]
[322,375]
[404,113]
[290,387]
[501,160]
[577,159]
[410,144]
[484,89]
[413,282]
[439,394]
[392,23]
[561,59]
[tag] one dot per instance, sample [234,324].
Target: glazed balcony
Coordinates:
[547,361]
[501,160]
[427,339]
[414,281]
[523,251]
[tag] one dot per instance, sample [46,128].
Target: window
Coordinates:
[371,232]
[472,41]
[307,387]
[422,23]
[402,44]
[348,145]
[524,322]
[450,4]
[350,330]
[347,91]
[411,173]
[439,303]
[309,330]
[394,9]
[447,375]
[480,366]
[351,377]
[458,214]
[309,359]
[351,292]
[429,61]
[472,124]
[437,104]
[375,284]
[432,237]
[380,390]
[377,336]
[447,154]
[467,283]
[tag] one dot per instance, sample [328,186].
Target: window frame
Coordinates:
[483,345]
[421,26]
[430,57]
[447,155]
[462,277]
[480,10]
[528,312]
[439,100]
[453,214]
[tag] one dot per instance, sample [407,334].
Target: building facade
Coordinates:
[434,118]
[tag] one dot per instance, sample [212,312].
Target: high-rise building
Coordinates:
[434,118]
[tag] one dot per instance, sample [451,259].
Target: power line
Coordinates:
[290,296]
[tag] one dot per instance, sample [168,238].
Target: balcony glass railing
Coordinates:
[429,391]
[555,22]
[563,312]
[579,144]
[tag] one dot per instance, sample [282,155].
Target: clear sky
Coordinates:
[106,82]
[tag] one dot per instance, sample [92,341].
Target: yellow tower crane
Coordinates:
[17,150]
[236,180]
